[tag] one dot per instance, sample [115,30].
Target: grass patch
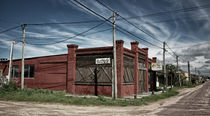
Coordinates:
[11,92]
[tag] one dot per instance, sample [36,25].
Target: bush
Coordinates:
[9,87]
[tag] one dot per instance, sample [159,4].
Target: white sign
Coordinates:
[103,61]
[157,66]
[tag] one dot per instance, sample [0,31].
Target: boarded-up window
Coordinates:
[141,72]
[141,58]
[86,66]
[128,75]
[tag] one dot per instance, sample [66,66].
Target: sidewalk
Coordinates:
[107,97]
[145,94]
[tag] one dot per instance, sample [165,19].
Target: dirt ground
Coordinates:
[188,100]
[196,103]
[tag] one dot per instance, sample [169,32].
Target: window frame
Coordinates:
[13,72]
[27,68]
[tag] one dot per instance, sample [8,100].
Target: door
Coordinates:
[141,81]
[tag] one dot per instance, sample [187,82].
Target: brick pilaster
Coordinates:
[120,68]
[154,59]
[134,47]
[71,68]
[147,69]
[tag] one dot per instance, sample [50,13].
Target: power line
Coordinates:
[99,31]
[171,54]
[136,36]
[188,9]
[207,42]
[171,50]
[72,36]
[102,17]
[58,23]
[105,5]
[111,22]
[139,29]
[85,35]
[178,10]
[12,28]
[172,11]
[128,21]
[175,53]
[171,20]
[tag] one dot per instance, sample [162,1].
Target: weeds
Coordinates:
[11,92]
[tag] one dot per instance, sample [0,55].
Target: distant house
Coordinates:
[88,71]
[186,76]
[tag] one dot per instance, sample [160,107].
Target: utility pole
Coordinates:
[164,65]
[177,69]
[171,81]
[189,76]
[10,61]
[114,77]
[23,44]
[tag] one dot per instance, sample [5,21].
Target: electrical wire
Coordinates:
[110,21]
[85,35]
[171,50]
[203,43]
[141,29]
[120,29]
[58,23]
[124,29]
[102,17]
[72,36]
[128,21]
[171,54]
[172,11]
[185,10]
[175,53]
[173,20]
[12,28]
[104,5]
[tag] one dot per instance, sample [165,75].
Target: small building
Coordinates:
[88,71]
[186,76]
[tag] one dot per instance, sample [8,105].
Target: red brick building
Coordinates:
[78,73]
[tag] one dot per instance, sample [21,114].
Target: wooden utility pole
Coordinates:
[177,69]
[189,76]
[114,77]
[164,66]
[10,61]
[22,66]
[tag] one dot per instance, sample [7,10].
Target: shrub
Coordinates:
[9,87]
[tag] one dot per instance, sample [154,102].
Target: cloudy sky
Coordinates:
[182,24]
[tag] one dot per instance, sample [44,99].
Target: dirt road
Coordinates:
[192,101]
[196,103]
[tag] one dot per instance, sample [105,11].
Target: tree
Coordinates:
[171,75]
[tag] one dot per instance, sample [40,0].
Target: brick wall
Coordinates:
[59,72]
